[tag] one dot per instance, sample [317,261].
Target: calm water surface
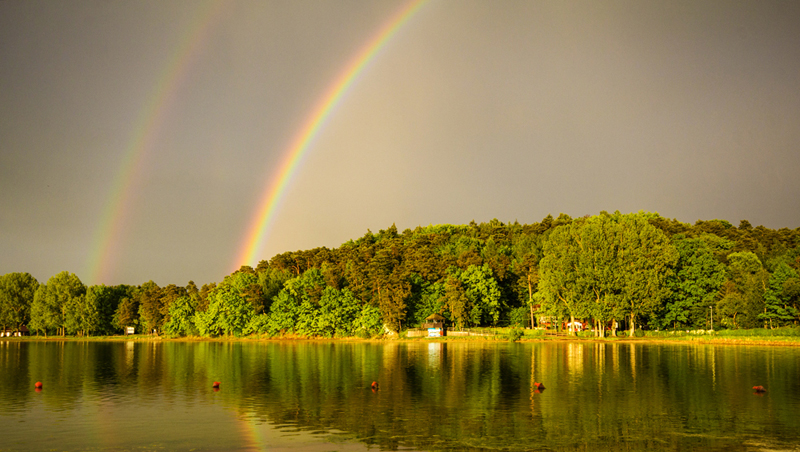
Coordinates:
[133,396]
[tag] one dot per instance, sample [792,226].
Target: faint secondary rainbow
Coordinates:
[116,212]
[276,189]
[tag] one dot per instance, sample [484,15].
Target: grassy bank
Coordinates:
[761,336]
[780,337]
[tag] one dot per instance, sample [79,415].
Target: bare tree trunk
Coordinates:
[633,326]
[531,316]
[530,297]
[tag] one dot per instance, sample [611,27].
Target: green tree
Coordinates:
[368,322]
[731,304]
[694,285]
[791,292]
[16,297]
[647,259]
[193,293]
[390,282]
[104,301]
[151,307]
[294,307]
[229,310]
[527,252]
[169,295]
[181,317]
[127,312]
[427,298]
[204,293]
[336,313]
[271,281]
[483,293]
[52,301]
[599,263]
[456,300]
[777,307]
[743,297]
[283,313]
[561,293]
[394,307]
[82,316]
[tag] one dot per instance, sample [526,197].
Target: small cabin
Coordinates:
[23,331]
[575,326]
[435,325]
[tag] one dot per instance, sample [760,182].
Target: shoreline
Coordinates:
[780,341]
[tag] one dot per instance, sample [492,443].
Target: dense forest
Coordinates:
[635,270]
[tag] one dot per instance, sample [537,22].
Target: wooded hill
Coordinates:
[641,269]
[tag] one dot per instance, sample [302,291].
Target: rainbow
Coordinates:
[107,244]
[276,187]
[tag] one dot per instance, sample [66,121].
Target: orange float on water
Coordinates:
[759,389]
[215,385]
[374,385]
[539,385]
[38,385]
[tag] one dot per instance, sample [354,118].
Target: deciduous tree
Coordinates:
[52,301]
[694,284]
[16,297]
[647,259]
[777,300]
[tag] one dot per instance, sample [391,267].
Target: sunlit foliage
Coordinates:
[629,270]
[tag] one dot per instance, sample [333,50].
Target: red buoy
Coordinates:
[539,385]
[215,385]
[38,385]
[759,389]
[374,385]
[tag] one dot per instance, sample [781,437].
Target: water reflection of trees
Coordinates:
[442,395]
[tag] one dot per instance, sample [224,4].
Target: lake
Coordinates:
[308,395]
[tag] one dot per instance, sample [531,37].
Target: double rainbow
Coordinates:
[101,262]
[105,249]
[276,188]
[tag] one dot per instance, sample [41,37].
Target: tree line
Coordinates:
[639,270]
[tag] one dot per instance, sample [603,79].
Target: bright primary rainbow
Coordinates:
[275,190]
[107,240]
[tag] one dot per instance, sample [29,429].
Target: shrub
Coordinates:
[258,324]
[760,332]
[514,334]
[519,317]
[661,333]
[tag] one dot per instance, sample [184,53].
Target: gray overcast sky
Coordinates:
[473,110]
